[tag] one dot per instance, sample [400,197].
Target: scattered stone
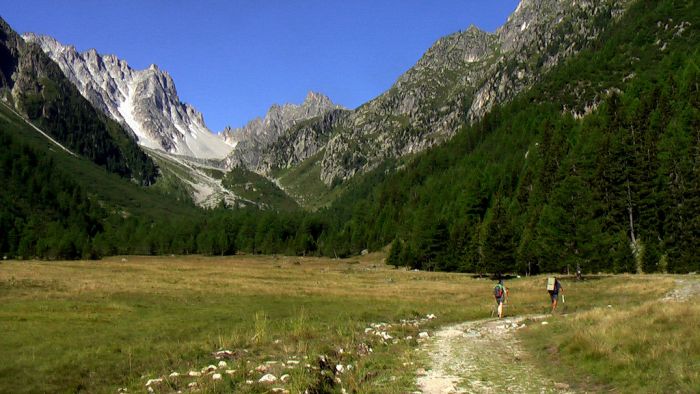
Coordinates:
[561,386]
[122,390]
[292,362]
[269,378]
[223,354]
[408,338]
[209,369]
[423,335]
[279,390]
[285,378]
[153,381]
[150,389]
[230,371]
[544,323]
[174,375]
[339,368]
[609,306]
[364,252]
[431,316]
[223,364]
[248,382]
[216,376]
[194,374]
[262,368]
[192,385]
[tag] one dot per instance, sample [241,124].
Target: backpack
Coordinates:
[551,283]
[498,291]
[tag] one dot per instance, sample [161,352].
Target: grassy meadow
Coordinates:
[653,347]
[105,325]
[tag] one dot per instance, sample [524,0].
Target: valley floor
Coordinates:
[328,325]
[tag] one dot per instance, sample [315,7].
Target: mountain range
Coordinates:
[566,137]
[462,76]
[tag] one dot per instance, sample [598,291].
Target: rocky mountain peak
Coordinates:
[252,140]
[144,101]
[461,77]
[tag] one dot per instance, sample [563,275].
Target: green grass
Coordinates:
[98,326]
[631,347]
[303,183]
[258,189]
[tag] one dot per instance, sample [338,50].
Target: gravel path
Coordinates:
[482,357]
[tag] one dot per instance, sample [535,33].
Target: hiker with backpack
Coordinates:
[553,288]
[500,292]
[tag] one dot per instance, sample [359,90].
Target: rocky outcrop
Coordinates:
[145,101]
[459,79]
[257,144]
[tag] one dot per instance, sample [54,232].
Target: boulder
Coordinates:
[268,378]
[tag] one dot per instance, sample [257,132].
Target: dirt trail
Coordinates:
[483,356]
[685,289]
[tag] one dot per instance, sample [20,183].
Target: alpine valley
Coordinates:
[570,136]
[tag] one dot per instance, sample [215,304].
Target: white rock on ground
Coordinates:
[423,335]
[192,385]
[269,378]
[230,371]
[216,376]
[153,381]
[285,378]
[174,375]
[208,369]
[195,374]
[223,364]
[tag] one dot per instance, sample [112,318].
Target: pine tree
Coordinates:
[499,240]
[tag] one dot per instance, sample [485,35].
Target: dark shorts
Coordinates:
[500,300]
[554,296]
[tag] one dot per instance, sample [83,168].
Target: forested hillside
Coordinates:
[596,166]
[534,188]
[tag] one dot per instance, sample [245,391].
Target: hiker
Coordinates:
[553,288]
[500,292]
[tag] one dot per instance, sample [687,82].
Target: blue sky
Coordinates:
[233,59]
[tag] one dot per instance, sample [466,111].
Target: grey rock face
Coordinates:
[460,78]
[145,101]
[256,145]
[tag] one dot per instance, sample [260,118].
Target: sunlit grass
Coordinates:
[98,326]
[651,347]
